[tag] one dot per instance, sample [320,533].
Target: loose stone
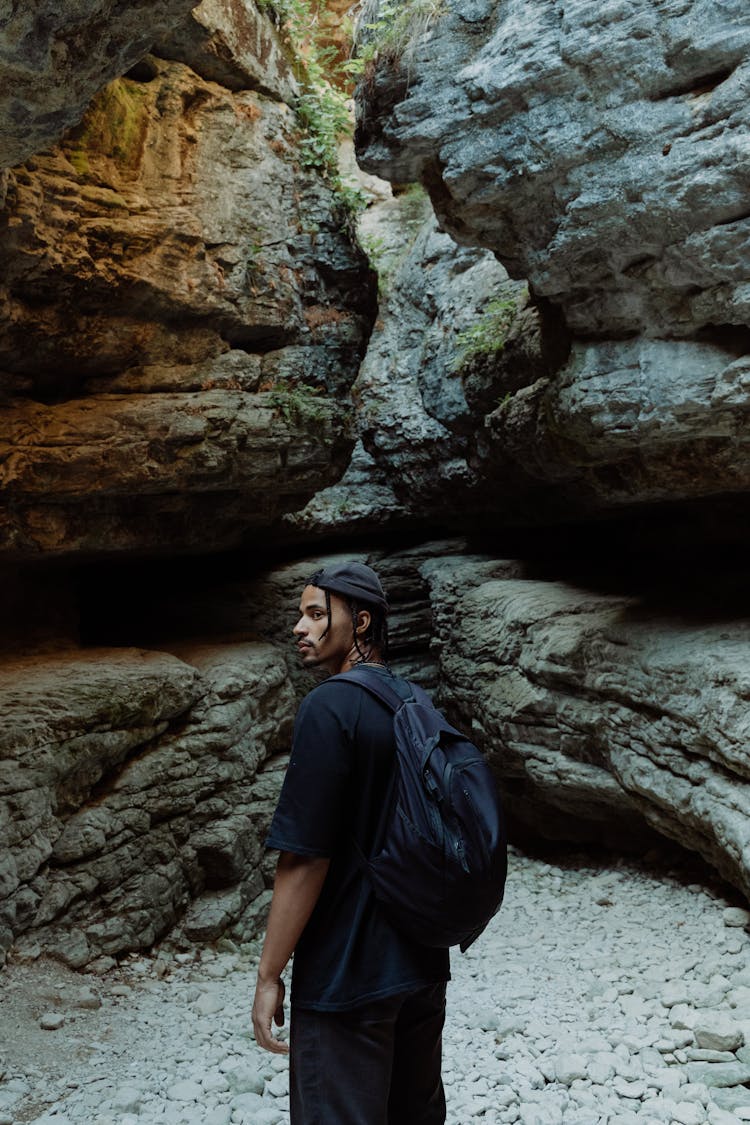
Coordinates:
[51,1021]
[718,1032]
[735,916]
[186,1091]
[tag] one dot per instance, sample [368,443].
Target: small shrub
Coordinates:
[396,28]
[489,334]
[297,403]
[322,110]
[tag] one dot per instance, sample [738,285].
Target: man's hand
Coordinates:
[297,885]
[269,1005]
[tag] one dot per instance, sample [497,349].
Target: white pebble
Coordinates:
[127,1099]
[735,916]
[185,1091]
[51,1021]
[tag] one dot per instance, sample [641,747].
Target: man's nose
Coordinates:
[300,627]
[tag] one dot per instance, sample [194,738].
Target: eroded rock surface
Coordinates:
[616,191]
[600,713]
[136,784]
[183,314]
[55,57]
[128,804]
[230,42]
[422,396]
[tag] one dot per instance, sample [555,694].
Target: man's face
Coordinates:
[320,643]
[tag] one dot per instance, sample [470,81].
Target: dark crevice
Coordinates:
[740,218]
[732,337]
[145,70]
[259,339]
[695,85]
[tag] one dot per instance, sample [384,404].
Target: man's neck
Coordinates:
[354,660]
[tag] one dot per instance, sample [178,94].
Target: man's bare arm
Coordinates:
[299,881]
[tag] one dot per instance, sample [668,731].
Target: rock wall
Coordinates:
[183,312]
[596,153]
[598,711]
[137,784]
[425,392]
[56,57]
[183,308]
[616,191]
[129,804]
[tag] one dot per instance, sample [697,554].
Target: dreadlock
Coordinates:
[377,631]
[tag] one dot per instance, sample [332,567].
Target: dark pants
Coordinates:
[375,1065]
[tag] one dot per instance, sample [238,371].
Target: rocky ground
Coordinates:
[602,993]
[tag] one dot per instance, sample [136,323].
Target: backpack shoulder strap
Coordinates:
[376,685]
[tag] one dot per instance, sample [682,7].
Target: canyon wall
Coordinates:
[599,154]
[539,449]
[183,311]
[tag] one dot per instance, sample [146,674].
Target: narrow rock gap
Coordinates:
[695,86]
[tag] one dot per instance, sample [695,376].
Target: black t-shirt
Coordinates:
[333,793]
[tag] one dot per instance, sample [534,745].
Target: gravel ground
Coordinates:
[600,994]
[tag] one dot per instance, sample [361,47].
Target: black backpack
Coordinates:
[439,865]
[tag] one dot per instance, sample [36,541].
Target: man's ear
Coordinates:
[364,617]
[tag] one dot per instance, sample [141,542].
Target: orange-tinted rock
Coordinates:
[183,314]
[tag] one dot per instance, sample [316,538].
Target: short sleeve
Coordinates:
[314,796]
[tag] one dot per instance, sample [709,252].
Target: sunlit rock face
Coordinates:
[55,57]
[183,314]
[599,153]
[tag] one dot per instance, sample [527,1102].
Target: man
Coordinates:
[367,1003]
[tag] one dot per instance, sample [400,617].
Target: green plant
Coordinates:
[488,335]
[322,110]
[396,28]
[114,125]
[297,403]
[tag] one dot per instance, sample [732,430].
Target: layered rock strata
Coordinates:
[136,784]
[136,797]
[599,713]
[128,801]
[183,313]
[617,192]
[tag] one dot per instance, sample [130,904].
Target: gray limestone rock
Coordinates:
[718,1032]
[128,804]
[616,191]
[598,719]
